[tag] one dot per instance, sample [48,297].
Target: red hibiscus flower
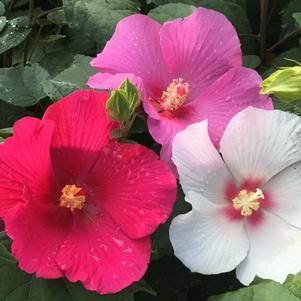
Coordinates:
[77,204]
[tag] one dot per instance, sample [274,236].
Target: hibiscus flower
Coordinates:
[75,203]
[246,205]
[188,70]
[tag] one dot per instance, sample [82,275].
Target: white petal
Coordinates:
[275,251]
[200,166]
[258,143]
[284,192]
[206,241]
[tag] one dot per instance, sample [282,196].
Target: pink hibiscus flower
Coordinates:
[76,204]
[189,70]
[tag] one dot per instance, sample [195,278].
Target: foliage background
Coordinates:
[45,49]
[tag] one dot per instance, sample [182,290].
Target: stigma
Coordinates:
[175,95]
[72,197]
[248,202]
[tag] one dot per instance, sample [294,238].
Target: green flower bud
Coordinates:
[285,84]
[118,106]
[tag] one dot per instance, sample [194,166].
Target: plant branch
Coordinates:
[44,13]
[263,26]
[284,39]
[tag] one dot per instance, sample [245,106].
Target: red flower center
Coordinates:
[72,197]
[175,95]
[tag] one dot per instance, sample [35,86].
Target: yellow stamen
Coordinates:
[175,95]
[248,201]
[70,199]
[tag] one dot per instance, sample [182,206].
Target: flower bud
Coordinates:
[285,84]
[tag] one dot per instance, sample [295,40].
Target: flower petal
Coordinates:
[25,164]
[102,257]
[134,48]
[274,251]
[259,143]
[200,48]
[205,240]
[199,165]
[228,95]
[284,193]
[136,189]
[81,129]
[37,232]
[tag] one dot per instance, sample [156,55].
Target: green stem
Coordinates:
[30,15]
[35,43]
[44,13]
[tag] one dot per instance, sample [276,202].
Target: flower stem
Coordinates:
[263,26]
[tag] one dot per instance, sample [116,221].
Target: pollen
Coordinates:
[72,197]
[175,95]
[247,202]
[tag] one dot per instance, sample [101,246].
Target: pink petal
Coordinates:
[231,93]
[137,189]
[102,257]
[37,232]
[25,165]
[134,48]
[82,128]
[200,48]
[163,130]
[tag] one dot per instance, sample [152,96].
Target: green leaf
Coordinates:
[266,291]
[167,12]
[133,96]
[14,33]
[21,86]
[57,17]
[3,22]
[71,79]
[251,61]
[96,19]
[297,17]
[290,8]
[2,9]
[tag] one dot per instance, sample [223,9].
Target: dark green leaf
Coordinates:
[14,33]
[251,61]
[96,19]
[171,11]
[21,86]
[57,17]
[71,79]
[10,114]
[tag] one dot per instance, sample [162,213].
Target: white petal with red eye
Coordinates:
[205,240]
[274,250]
[199,165]
[284,194]
[259,143]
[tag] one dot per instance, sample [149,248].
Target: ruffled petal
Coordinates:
[259,144]
[136,189]
[200,166]
[102,257]
[274,251]
[25,164]
[38,232]
[135,48]
[81,129]
[228,95]
[200,48]
[283,191]
[205,240]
